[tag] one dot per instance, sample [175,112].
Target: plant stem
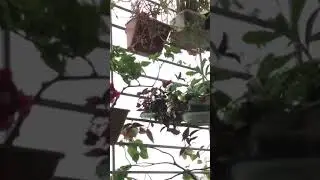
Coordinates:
[299,59]
[56,104]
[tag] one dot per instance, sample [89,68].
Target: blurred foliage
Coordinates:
[60,30]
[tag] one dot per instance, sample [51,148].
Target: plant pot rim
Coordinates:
[27,149]
[150,18]
[197,112]
[189,10]
[190,121]
[120,109]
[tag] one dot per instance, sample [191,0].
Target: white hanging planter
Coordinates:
[199,113]
[147,115]
[189,32]
[197,118]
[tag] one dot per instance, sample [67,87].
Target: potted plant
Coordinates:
[145,34]
[163,104]
[198,94]
[199,106]
[189,25]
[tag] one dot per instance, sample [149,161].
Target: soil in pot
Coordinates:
[117,119]
[19,163]
[189,31]
[146,35]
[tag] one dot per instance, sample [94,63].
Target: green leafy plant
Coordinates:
[126,65]
[197,5]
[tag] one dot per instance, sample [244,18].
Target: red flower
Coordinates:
[114,94]
[25,104]
[11,100]
[5,75]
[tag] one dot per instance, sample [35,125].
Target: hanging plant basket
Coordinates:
[189,31]
[147,115]
[197,118]
[146,35]
[24,163]
[117,119]
[199,113]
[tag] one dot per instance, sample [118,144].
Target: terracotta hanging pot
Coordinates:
[24,163]
[117,119]
[146,35]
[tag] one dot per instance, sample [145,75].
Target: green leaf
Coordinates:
[149,134]
[194,82]
[145,63]
[191,73]
[202,63]
[143,152]
[296,10]
[280,23]
[133,152]
[54,62]
[138,142]
[207,70]
[198,70]
[315,37]
[193,157]
[309,27]
[154,56]
[168,55]
[175,50]
[271,63]
[186,176]
[199,161]
[121,173]
[125,168]
[185,133]
[184,156]
[260,38]
[194,131]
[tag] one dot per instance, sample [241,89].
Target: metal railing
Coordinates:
[150,121]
